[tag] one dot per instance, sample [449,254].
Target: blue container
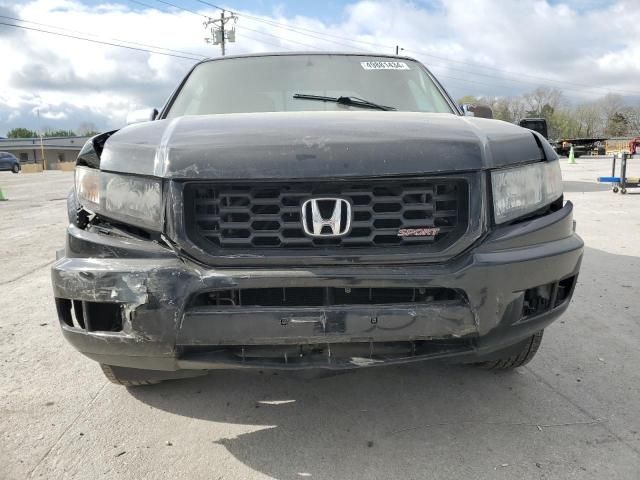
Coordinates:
[609,179]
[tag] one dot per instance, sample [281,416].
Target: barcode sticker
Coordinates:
[385,66]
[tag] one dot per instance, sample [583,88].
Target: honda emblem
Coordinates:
[326,217]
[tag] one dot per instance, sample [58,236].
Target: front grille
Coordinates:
[325,355]
[269,215]
[324,296]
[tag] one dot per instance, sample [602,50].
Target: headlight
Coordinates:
[518,191]
[88,187]
[134,200]
[129,199]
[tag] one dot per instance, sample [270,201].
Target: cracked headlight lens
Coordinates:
[131,199]
[518,191]
[127,198]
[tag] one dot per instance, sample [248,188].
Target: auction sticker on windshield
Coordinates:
[385,66]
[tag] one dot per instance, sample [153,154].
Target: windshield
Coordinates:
[270,84]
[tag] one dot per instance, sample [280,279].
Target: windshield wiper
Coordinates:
[352,101]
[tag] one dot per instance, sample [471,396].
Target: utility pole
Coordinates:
[222,39]
[220,35]
[44,164]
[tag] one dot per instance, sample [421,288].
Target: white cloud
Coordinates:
[53,115]
[71,81]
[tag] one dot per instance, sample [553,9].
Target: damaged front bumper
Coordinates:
[134,303]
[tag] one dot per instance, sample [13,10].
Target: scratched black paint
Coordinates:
[154,278]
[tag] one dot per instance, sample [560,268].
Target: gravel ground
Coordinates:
[571,413]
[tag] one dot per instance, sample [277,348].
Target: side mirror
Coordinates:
[466,110]
[480,111]
[144,115]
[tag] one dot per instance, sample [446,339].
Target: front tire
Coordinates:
[518,359]
[15,168]
[128,377]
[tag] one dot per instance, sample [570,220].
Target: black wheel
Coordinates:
[518,359]
[129,377]
[623,191]
[15,168]
[615,189]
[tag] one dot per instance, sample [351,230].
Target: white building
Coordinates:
[56,149]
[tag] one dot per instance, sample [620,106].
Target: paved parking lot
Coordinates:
[574,412]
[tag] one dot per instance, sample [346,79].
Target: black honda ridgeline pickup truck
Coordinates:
[320,210]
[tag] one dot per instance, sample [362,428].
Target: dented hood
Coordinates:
[285,145]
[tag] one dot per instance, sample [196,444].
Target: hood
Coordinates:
[287,145]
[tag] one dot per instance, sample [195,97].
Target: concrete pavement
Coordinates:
[574,412]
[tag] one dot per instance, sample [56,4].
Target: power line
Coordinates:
[200,15]
[178,7]
[242,34]
[144,4]
[100,36]
[323,34]
[212,5]
[323,39]
[281,26]
[291,29]
[182,54]
[190,55]
[243,28]
[581,86]
[251,18]
[530,82]
[467,81]
[261,40]
[282,39]
[563,83]
[98,41]
[420,52]
[278,37]
[538,78]
[503,71]
[299,29]
[154,7]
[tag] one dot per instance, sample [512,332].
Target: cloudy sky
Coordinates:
[497,47]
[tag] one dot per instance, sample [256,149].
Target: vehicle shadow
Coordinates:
[406,421]
[573,186]
[385,422]
[584,187]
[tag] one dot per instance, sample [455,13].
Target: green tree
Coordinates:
[634,121]
[58,133]
[543,101]
[562,124]
[470,99]
[608,116]
[87,129]
[589,119]
[617,125]
[21,133]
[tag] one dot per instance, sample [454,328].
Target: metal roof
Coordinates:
[57,143]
